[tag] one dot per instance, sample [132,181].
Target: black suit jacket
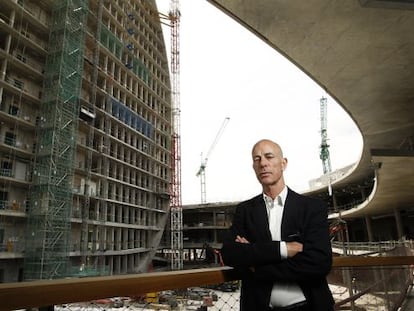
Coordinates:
[305,220]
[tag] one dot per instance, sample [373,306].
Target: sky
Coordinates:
[226,71]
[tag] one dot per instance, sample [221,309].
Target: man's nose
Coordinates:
[263,162]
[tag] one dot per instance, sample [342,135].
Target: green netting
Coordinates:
[84,271]
[48,230]
[140,70]
[111,42]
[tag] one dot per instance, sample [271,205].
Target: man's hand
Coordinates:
[241,239]
[293,248]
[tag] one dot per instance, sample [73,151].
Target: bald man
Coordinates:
[279,242]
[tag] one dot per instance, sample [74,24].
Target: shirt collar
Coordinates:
[282,194]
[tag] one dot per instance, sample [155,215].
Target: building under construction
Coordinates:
[85,137]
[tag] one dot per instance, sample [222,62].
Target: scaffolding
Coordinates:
[48,230]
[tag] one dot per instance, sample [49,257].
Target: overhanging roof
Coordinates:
[362,53]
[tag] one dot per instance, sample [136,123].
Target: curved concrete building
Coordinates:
[85,137]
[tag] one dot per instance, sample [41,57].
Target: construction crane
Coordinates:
[172,20]
[324,154]
[176,214]
[202,170]
[324,147]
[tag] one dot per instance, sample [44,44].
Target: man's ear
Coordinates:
[284,163]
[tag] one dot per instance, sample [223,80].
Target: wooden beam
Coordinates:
[51,292]
[370,261]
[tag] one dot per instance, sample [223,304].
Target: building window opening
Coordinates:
[13,110]
[4,196]
[6,169]
[10,138]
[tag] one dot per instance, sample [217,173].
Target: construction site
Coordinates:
[87,137]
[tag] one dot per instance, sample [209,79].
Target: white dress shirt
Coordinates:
[283,293]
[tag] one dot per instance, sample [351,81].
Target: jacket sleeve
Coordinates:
[255,253]
[313,263]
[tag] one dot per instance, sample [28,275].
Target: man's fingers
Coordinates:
[241,239]
[293,248]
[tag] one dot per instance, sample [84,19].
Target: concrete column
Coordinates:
[363,194]
[12,18]
[368,223]
[398,222]
[215,225]
[334,203]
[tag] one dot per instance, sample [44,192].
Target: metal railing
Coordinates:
[366,248]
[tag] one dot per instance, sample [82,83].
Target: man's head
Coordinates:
[269,164]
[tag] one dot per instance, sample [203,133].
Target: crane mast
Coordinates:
[202,170]
[175,203]
[324,147]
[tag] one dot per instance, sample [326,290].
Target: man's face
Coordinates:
[268,163]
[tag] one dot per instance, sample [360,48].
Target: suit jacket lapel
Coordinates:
[261,220]
[289,214]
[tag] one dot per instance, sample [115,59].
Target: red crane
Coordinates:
[176,214]
[176,217]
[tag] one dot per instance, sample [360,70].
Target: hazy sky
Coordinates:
[226,71]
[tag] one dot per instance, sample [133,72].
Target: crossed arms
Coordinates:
[308,259]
